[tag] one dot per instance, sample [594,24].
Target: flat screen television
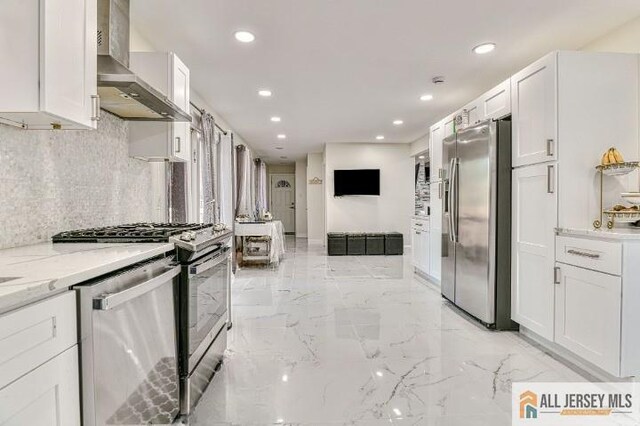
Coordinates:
[356,182]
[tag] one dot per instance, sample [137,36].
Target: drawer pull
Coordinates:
[584,254]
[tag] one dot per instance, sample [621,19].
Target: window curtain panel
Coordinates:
[244,175]
[261,187]
[210,207]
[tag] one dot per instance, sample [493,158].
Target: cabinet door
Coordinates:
[181,140]
[588,315]
[68,60]
[435,152]
[496,103]
[534,218]
[48,395]
[425,259]
[449,126]
[435,230]
[534,112]
[416,248]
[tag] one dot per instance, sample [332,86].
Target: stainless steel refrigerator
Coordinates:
[476,231]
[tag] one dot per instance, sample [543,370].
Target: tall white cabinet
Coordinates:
[567,109]
[436,197]
[52,50]
[162,141]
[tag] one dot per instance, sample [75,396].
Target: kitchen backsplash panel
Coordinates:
[51,181]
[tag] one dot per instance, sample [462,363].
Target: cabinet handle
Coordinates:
[556,275]
[178,144]
[550,180]
[440,190]
[550,151]
[95,107]
[584,254]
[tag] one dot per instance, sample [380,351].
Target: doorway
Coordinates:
[282,194]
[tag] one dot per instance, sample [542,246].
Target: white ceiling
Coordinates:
[343,70]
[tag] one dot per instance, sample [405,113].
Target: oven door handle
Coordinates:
[111,300]
[210,263]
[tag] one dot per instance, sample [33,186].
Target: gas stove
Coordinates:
[189,236]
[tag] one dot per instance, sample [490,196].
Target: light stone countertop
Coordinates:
[30,273]
[605,234]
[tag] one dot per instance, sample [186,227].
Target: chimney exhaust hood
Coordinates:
[121,91]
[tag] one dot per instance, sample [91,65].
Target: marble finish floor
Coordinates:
[359,340]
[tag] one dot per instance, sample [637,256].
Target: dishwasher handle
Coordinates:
[111,300]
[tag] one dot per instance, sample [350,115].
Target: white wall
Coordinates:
[624,39]
[388,212]
[420,145]
[301,199]
[315,200]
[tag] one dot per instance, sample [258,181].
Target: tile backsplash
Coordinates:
[52,181]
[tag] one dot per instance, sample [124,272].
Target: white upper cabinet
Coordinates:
[534,218]
[496,103]
[449,125]
[52,49]
[435,152]
[534,112]
[160,141]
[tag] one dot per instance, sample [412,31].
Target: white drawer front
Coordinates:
[420,224]
[603,256]
[36,333]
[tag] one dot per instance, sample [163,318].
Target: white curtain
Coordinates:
[261,187]
[244,196]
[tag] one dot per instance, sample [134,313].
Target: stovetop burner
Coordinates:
[134,232]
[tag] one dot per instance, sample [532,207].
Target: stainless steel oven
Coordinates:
[128,345]
[203,315]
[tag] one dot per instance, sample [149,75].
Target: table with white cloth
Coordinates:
[271,229]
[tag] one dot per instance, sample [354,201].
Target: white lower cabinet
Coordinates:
[534,219]
[48,395]
[435,230]
[588,307]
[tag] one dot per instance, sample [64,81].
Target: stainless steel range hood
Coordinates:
[121,91]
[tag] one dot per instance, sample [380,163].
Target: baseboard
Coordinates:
[579,365]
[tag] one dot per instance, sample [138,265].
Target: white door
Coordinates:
[435,152]
[588,316]
[534,218]
[496,103]
[282,200]
[534,112]
[49,395]
[435,230]
[68,60]
[181,141]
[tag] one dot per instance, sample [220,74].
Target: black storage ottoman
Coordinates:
[393,244]
[337,244]
[356,244]
[375,244]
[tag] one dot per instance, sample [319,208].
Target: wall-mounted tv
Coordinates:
[356,182]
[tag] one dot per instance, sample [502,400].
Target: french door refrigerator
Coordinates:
[476,231]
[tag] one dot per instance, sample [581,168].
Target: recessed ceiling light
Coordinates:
[244,36]
[398,122]
[421,157]
[379,137]
[264,92]
[281,136]
[276,119]
[279,147]
[483,48]
[426,97]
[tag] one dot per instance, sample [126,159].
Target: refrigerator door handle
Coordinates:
[453,198]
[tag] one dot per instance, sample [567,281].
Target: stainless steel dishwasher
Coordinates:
[128,345]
